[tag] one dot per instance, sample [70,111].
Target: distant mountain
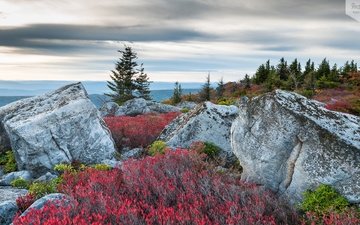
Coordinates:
[99,99]
[31,88]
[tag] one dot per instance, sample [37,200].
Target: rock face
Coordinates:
[8,210]
[56,198]
[60,126]
[186,105]
[135,107]
[207,122]
[8,178]
[291,144]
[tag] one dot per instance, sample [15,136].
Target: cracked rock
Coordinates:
[291,144]
[58,127]
[208,123]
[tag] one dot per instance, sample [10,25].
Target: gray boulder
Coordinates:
[208,123]
[109,109]
[11,194]
[132,154]
[8,210]
[8,178]
[46,177]
[187,105]
[291,144]
[57,127]
[55,198]
[136,106]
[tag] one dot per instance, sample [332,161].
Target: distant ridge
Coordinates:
[31,88]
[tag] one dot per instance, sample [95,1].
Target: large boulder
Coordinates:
[8,210]
[136,106]
[291,144]
[207,122]
[57,127]
[8,178]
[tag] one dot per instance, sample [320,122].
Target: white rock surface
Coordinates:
[136,106]
[291,144]
[56,198]
[207,122]
[57,127]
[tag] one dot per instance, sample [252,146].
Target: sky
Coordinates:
[177,40]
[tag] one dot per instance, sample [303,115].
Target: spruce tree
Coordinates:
[176,98]
[220,89]
[128,79]
[247,81]
[282,69]
[205,93]
[143,84]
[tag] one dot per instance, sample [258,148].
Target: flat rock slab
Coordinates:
[10,194]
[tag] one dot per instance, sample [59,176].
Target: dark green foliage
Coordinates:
[20,183]
[211,150]
[262,73]
[128,81]
[220,89]
[247,81]
[323,70]
[205,93]
[142,84]
[176,98]
[324,199]
[282,69]
[7,160]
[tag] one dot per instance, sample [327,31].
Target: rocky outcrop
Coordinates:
[55,198]
[11,194]
[8,178]
[136,106]
[290,144]
[8,210]
[186,105]
[207,122]
[58,127]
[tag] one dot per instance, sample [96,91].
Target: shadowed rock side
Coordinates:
[136,106]
[207,122]
[290,144]
[60,126]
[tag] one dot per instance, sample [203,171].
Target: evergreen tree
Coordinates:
[220,89]
[282,69]
[262,73]
[176,98]
[295,74]
[143,84]
[353,67]
[247,81]
[323,70]
[334,74]
[127,78]
[205,93]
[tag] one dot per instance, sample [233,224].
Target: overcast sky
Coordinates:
[175,39]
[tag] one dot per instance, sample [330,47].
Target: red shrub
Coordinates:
[24,202]
[350,217]
[175,188]
[340,106]
[138,131]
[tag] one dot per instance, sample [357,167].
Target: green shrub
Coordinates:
[208,148]
[226,102]
[62,167]
[323,200]
[307,93]
[102,167]
[20,183]
[158,147]
[7,160]
[211,150]
[40,189]
[185,110]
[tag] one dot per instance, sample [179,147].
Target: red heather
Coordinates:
[175,188]
[138,131]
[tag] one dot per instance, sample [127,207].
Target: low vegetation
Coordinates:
[174,188]
[142,130]
[7,160]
